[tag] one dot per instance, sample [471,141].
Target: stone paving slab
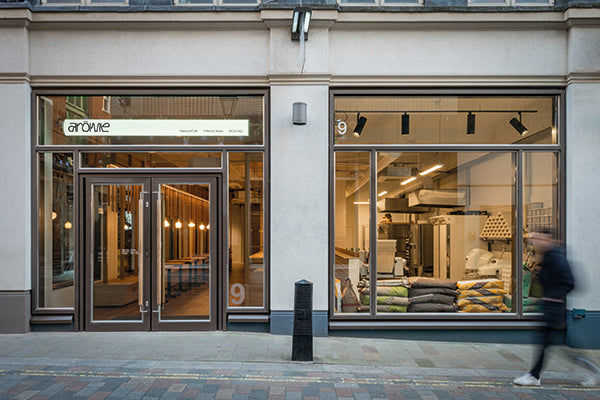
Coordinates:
[133,383]
[174,365]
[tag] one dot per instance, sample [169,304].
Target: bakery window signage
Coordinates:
[156,127]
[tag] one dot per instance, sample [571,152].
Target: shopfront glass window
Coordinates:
[406,120]
[56,227]
[445,231]
[540,212]
[352,220]
[151,120]
[246,230]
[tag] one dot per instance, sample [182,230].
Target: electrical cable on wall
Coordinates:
[302,44]
[302,50]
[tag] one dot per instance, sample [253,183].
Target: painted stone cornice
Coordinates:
[269,18]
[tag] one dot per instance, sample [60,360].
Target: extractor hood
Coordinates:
[396,205]
[436,198]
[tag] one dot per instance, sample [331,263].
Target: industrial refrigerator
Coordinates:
[453,237]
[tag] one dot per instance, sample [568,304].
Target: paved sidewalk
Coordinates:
[233,365]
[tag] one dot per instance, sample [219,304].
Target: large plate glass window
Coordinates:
[352,220]
[445,225]
[56,226]
[246,230]
[434,229]
[540,212]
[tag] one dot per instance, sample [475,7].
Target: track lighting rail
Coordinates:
[436,111]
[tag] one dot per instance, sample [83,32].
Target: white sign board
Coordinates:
[155,127]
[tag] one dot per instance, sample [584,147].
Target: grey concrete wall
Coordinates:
[583,219]
[15,230]
[583,143]
[299,195]
[448,53]
[15,158]
[143,53]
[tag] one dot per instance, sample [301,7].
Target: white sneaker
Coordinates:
[589,381]
[527,380]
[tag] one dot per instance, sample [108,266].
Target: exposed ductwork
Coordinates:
[396,205]
[436,198]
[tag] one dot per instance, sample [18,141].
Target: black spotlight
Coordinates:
[470,123]
[360,125]
[518,126]
[405,124]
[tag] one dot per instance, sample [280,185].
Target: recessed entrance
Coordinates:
[151,252]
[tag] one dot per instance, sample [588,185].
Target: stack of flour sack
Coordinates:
[431,295]
[392,294]
[483,295]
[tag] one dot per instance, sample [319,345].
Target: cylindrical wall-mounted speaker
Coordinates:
[299,114]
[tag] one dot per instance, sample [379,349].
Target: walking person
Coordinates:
[557,281]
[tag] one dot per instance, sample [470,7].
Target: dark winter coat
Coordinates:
[557,281]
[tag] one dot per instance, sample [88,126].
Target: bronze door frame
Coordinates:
[150,252]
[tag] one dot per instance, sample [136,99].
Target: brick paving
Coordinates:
[190,365]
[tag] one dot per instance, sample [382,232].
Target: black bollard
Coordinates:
[302,341]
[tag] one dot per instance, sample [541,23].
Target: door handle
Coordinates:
[159,250]
[141,255]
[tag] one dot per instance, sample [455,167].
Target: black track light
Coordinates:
[518,125]
[470,123]
[405,124]
[360,125]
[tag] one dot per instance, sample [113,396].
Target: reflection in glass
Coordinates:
[116,252]
[406,120]
[246,230]
[184,221]
[56,240]
[151,160]
[351,205]
[540,212]
[54,110]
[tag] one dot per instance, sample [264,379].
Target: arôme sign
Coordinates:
[155,127]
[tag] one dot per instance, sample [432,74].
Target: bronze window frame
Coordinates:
[514,320]
[56,315]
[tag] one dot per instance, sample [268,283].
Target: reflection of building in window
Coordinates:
[106,104]
[77,107]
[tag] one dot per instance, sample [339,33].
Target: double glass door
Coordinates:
[151,253]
